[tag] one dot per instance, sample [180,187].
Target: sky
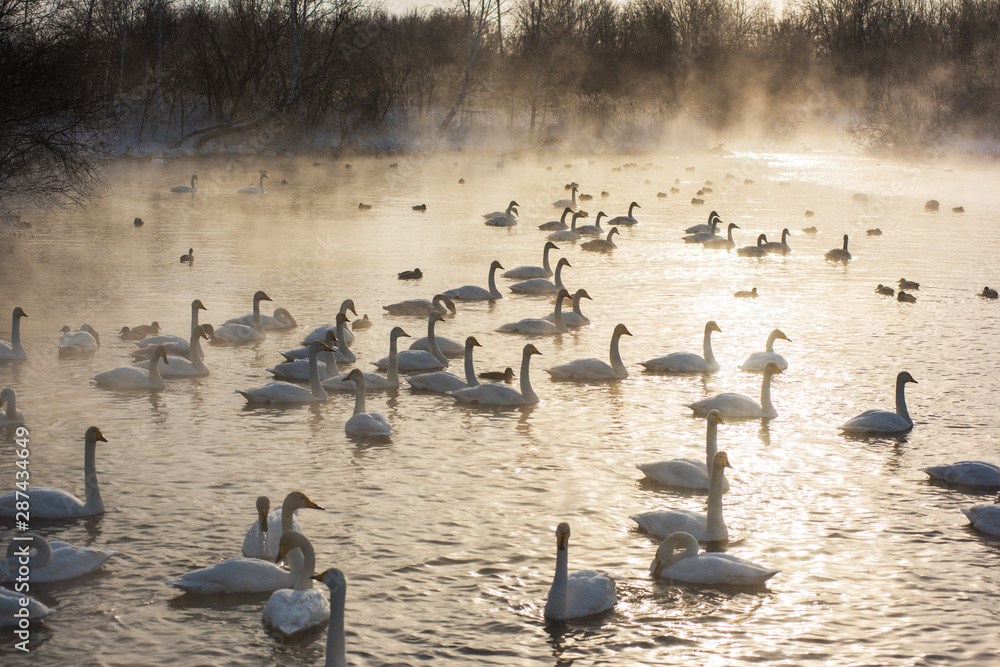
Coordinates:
[401,6]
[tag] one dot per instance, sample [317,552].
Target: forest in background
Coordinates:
[81,80]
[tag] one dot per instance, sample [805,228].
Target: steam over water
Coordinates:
[446,533]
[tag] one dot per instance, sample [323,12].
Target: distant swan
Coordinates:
[476,293]
[839,254]
[186,188]
[709,527]
[704,235]
[556,225]
[713,222]
[496,214]
[364,424]
[583,593]
[410,361]
[754,250]
[422,307]
[719,243]
[574,319]
[540,327]
[232,333]
[779,248]
[505,218]
[11,416]
[625,220]
[570,203]
[738,406]
[177,366]
[601,245]
[131,377]
[52,561]
[594,369]
[875,422]
[543,285]
[708,569]
[255,189]
[500,394]
[688,362]
[756,362]
[985,517]
[528,272]
[594,229]
[567,234]
[13,351]
[689,473]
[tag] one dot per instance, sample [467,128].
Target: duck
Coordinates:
[710,227]
[336,650]
[285,393]
[883,422]
[415,274]
[411,361]
[601,245]
[506,375]
[476,293]
[576,318]
[14,351]
[689,473]
[705,568]
[232,333]
[132,377]
[884,291]
[178,366]
[137,222]
[708,527]
[52,561]
[373,381]
[144,330]
[839,254]
[543,285]
[719,243]
[419,207]
[583,593]
[188,257]
[966,473]
[594,229]
[738,406]
[504,218]
[874,232]
[905,298]
[626,220]
[364,207]
[988,293]
[908,284]
[756,362]
[291,611]
[744,294]
[568,203]
[985,518]
[282,319]
[264,535]
[11,416]
[567,235]
[186,188]
[443,381]
[500,395]
[255,189]
[688,362]
[754,250]
[595,370]
[809,230]
[556,225]
[11,603]
[422,307]
[49,503]
[529,272]
[780,248]
[319,333]
[362,324]
[540,327]
[364,424]
[78,343]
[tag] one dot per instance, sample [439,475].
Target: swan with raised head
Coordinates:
[567,234]
[780,248]
[412,361]
[497,214]
[231,334]
[505,219]
[601,245]
[708,527]
[704,236]
[10,416]
[583,593]
[255,189]
[133,377]
[568,203]
[738,406]
[625,220]
[556,225]
[594,229]
[11,603]
[985,517]
[364,424]
[336,648]
[297,370]
[186,188]
[330,336]
[876,422]
[708,569]
[443,381]
[49,503]
[291,611]
[689,473]
[14,351]
[176,345]
[838,254]
[282,319]
[754,250]
[476,293]
[177,366]
[713,222]
[719,243]
[319,333]
[286,393]
[756,362]
[528,272]
[422,307]
[51,561]
[78,343]
[595,370]
[543,285]
[540,327]
[263,537]
[373,381]
[688,362]
[576,318]
[501,395]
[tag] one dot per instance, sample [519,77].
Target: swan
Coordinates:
[966,473]
[189,257]
[583,593]
[263,537]
[576,318]
[689,473]
[710,569]
[409,361]
[177,366]
[594,229]
[11,603]
[476,293]
[527,272]
[567,234]
[908,284]
[303,607]
[450,348]
[738,406]
[601,245]
[506,376]
[282,319]
[497,214]
[364,424]
[756,362]
[779,248]
[52,561]
[586,370]
[13,351]
[625,220]
[688,362]
[415,274]
[884,291]
[540,327]
[443,381]
[132,377]
[11,416]
[284,393]
[719,243]
[543,285]
[505,219]
[839,254]
[709,527]
[556,225]
[49,503]
[186,188]
[319,333]
[754,250]
[255,189]
[77,343]
[500,394]
[985,517]
[875,422]
[336,650]
[713,221]
[709,234]
[176,345]
[422,307]
[374,382]
[297,370]
[233,333]
[567,203]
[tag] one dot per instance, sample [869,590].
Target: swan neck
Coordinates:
[558,317]
[545,260]
[432,343]
[316,386]
[258,323]
[707,348]
[765,394]
[711,443]
[901,400]
[494,292]
[359,396]
[342,338]
[526,391]
[392,369]
[15,333]
[336,646]
[770,342]
[616,357]
[731,234]
[11,402]
[576,304]
[155,379]
[559,282]
[92,489]
[303,567]
[330,359]
[195,347]
[716,528]
[194,317]
[470,372]
[555,605]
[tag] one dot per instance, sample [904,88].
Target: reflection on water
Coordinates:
[444,532]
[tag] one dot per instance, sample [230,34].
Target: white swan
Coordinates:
[688,362]
[501,395]
[528,272]
[186,188]
[11,416]
[874,422]
[625,220]
[540,327]
[285,393]
[255,189]
[263,537]
[543,285]
[443,381]
[719,243]
[133,377]
[556,225]
[966,473]
[754,250]
[319,333]
[49,503]
[78,343]
[497,214]
[373,381]
[594,229]
[505,219]
[422,307]
[11,603]
[567,234]
[476,293]
[409,361]
[364,424]
[708,527]
[570,203]
[706,235]
[241,333]
[756,362]
[985,517]
[595,369]
[601,245]
[710,226]
[282,319]
[292,611]
[780,248]
[51,561]
[328,335]
[738,406]
[176,345]
[255,541]
[689,473]
[297,370]
[177,366]
[710,569]
[14,351]
[583,593]
[576,318]
[838,254]
[336,648]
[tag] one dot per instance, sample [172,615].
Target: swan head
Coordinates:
[397,332]
[614,230]
[194,177]
[355,376]
[720,460]
[291,540]
[318,346]
[471,342]
[562,536]
[198,305]
[263,507]
[206,331]
[161,353]
[563,262]
[348,305]
[621,330]
[778,334]
[495,265]
[530,349]
[435,316]
[261,295]
[550,244]
[566,211]
[333,578]
[599,215]
[636,205]
[712,216]
[771,369]
[562,294]
[714,416]
[712,326]
[297,500]
[19,312]
[733,225]
[665,552]
[93,435]
[512,204]
[582,294]
[905,377]
[761,240]
[342,318]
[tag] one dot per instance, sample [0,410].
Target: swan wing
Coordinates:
[985,518]
[683,473]
[534,286]
[48,503]
[876,421]
[589,592]
[278,392]
[680,362]
[290,611]
[756,362]
[489,394]
[368,424]
[125,377]
[441,381]
[717,569]
[662,523]
[969,473]
[734,406]
[449,348]
[470,293]
[583,369]
[235,575]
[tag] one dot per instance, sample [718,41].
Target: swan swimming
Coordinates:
[476,293]
[779,248]
[583,593]
[79,343]
[364,424]
[543,285]
[595,370]
[241,333]
[738,406]
[688,362]
[875,422]
[373,381]
[601,245]
[576,318]
[567,203]
[501,395]
[177,366]
[176,345]
[285,393]
[14,351]
[443,381]
[52,561]
[985,517]
[540,327]
[756,362]
[709,569]
[409,361]
[263,537]
[719,243]
[839,254]
[528,272]
[282,319]
[303,607]
[708,527]
[11,602]
[556,225]
[625,220]
[754,250]
[594,229]
[11,416]
[255,189]
[567,234]
[689,473]
[422,307]
[186,188]
[319,333]
[132,377]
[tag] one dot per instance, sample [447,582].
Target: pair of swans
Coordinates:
[319,333]
[502,218]
[330,374]
[595,370]
[476,293]
[255,189]
[335,337]
[757,361]
[708,527]
[500,395]
[10,416]
[51,561]
[839,254]
[443,381]
[176,345]
[779,248]
[570,234]
[709,227]
[719,243]
[422,307]
[415,361]
[13,350]
[688,362]
[233,333]
[49,503]
[601,245]
[263,537]
[135,378]
[286,393]
[709,569]
[757,251]
[883,422]
[540,326]
[178,366]
[576,318]
[528,272]
[738,406]
[689,473]
[364,424]
[543,285]
[186,188]
[84,341]
[583,593]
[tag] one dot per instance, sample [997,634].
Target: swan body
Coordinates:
[738,406]
[583,593]
[476,293]
[14,351]
[410,361]
[336,652]
[496,214]
[966,473]
[594,229]
[576,318]
[255,189]
[875,422]
[186,188]
[688,362]
[595,370]
[708,527]
[49,503]
[754,250]
[503,218]
[501,395]
[132,377]
[719,243]
[780,248]
[543,285]
[601,245]
[364,424]
[11,602]
[319,333]
[10,416]
[78,343]
[710,226]
[708,569]
[177,366]
[838,254]
[285,393]
[567,203]
[292,611]
[556,225]
[282,319]
[689,473]
[567,234]
[528,272]
[540,327]
[52,561]
[263,538]
[422,307]
[756,362]
[442,381]
[297,370]
[232,333]
[985,517]
[625,220]
[374,382]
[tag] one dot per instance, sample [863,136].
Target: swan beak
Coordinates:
[100,436]
[562,541]
[319,575]
[282,552]
[263,522]
[656,567]
[718,418]
[311,505]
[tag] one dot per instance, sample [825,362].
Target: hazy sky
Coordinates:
[399,6]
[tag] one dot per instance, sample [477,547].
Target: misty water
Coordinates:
[446,532]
